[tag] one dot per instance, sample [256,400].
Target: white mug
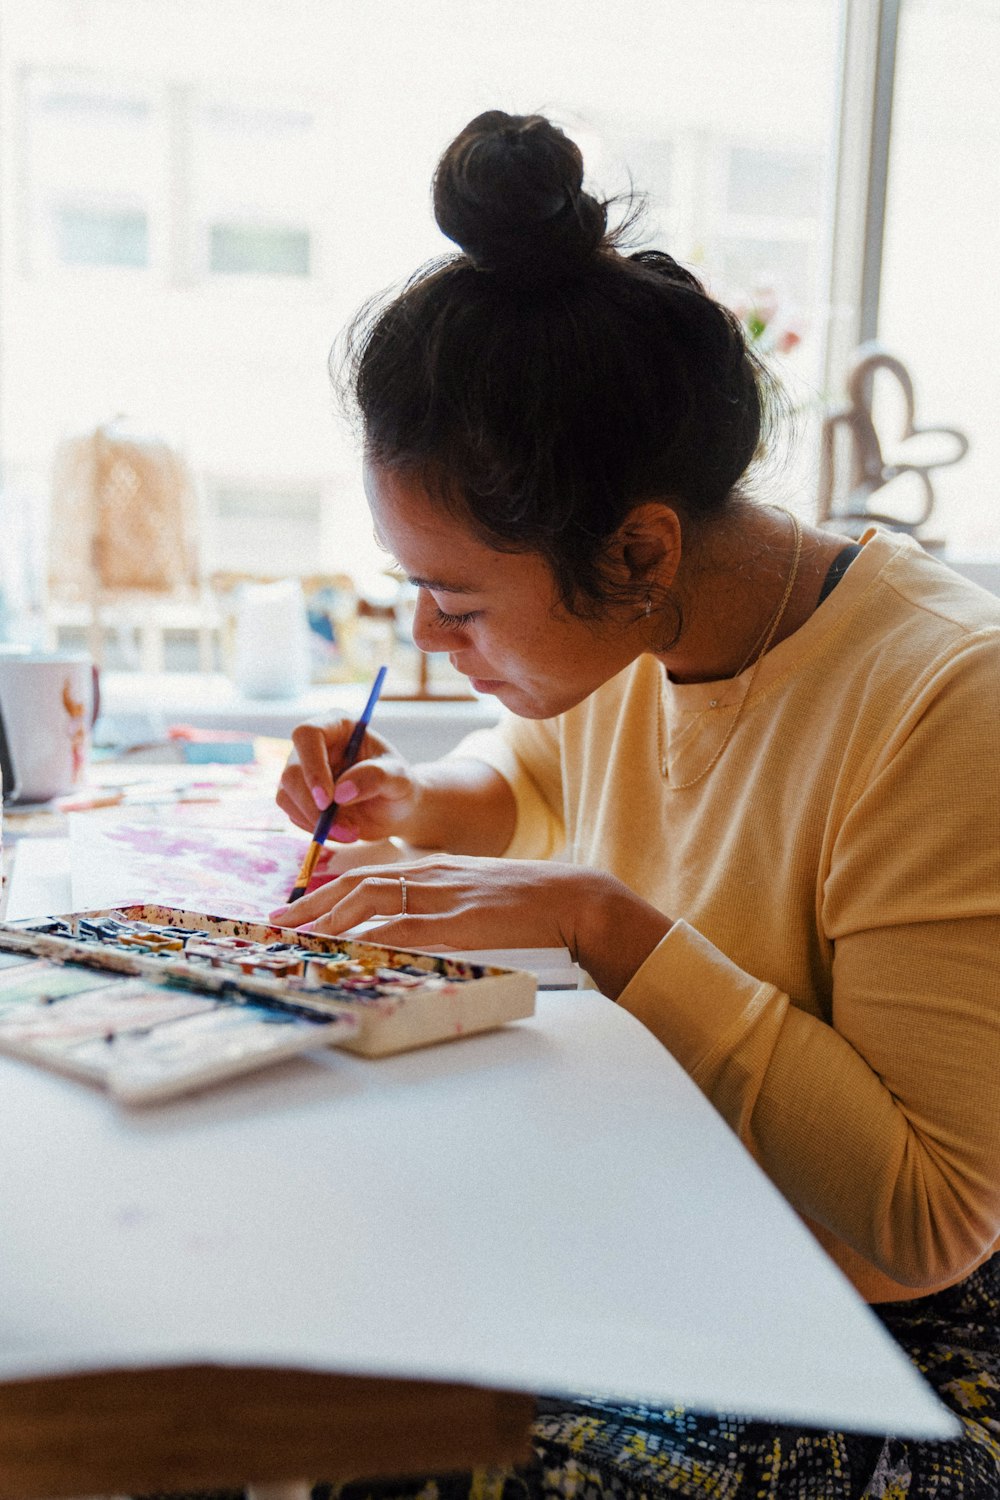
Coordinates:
[47,702]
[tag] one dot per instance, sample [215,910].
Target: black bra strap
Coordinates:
[837,569]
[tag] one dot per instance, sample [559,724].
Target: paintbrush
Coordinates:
[326,818]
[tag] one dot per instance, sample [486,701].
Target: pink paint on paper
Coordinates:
[232,872]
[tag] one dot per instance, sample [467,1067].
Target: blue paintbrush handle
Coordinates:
[322,830]
[350,755]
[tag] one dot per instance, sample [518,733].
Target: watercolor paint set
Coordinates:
[151,1001]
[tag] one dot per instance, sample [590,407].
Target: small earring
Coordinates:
[649,606]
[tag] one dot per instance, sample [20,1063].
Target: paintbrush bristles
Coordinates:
[305,874]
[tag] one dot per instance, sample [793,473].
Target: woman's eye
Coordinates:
[452,622]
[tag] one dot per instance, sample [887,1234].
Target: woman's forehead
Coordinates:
[435,548]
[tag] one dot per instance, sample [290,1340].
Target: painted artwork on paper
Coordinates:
[233,872]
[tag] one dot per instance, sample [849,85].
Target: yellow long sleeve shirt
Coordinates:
[832,978]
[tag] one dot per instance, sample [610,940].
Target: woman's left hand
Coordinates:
[459,901]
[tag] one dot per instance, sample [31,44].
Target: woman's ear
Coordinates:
[648,544]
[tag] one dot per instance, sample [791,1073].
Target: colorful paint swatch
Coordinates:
[40,984]
[232,872]
[112,1007]
[14,960]
[205,1048]
[151,1000]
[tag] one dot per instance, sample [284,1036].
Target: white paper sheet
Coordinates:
[553,1207]
[552,967]
[40,881]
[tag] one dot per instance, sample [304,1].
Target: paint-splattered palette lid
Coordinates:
[364,996]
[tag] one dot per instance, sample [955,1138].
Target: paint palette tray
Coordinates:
[150,1001]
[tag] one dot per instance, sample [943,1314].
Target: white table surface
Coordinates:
[553,1207]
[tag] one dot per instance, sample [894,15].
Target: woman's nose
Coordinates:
[424,611]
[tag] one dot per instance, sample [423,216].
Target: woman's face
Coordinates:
[496,614]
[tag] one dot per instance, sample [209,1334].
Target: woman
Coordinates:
[748,777]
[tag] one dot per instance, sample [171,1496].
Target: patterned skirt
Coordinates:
[595,1450]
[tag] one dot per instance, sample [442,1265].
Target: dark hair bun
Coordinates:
[509,192]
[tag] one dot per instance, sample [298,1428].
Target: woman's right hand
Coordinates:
[376,797]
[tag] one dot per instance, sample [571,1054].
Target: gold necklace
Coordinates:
[768,638]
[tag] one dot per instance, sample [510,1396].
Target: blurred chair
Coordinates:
[864,478]
[123,543]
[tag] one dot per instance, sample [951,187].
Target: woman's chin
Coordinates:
[526,702]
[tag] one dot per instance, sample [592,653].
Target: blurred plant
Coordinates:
[768,330]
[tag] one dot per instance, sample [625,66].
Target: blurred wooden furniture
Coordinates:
[203,1427]
[864,478]
[123,548]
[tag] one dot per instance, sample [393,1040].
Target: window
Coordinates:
[773,183]
[262,530]
[257,172]
[91,170]
[190,217]
[101,237]
[769,222]
[939,303]
[259,250]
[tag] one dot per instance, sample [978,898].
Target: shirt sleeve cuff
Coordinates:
[695,1000]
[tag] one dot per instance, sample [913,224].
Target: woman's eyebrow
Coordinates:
[441,585]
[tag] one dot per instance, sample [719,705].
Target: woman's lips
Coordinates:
[480,684]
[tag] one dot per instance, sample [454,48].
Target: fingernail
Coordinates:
[279,911]
[343,834]
[321,798]
[345,792]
